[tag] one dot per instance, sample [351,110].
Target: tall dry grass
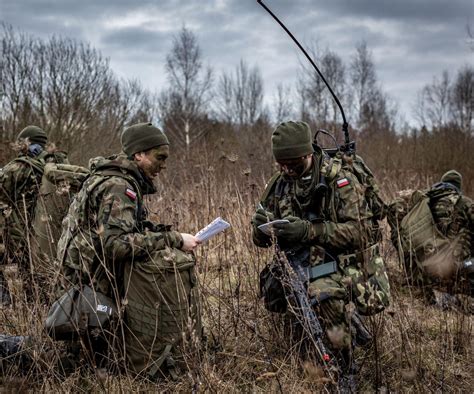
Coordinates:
[417,347]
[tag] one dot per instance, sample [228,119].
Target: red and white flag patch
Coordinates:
[342,182]
[130,193]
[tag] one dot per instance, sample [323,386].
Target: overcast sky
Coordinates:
[411,40]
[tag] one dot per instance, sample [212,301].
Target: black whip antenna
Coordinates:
[349,146]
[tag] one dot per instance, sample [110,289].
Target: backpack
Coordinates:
[421,240]
[59,183]
[162,312]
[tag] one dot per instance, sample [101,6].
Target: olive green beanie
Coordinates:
[141,137]
[453,177]
[291,140]
[34,134]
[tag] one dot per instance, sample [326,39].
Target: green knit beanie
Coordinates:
[34,134]
[453,177]
[291,140]
[142,137]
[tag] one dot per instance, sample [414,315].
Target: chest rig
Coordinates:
[311,198]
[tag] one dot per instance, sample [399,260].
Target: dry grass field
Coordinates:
[417,348]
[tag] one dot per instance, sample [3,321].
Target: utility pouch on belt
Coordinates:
[78,310]
[370,288]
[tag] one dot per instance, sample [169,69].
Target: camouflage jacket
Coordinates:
[106,225]
[341,210]
[453,214]
[20,180]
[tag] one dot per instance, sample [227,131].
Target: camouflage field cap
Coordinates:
[141,137]
[453,177]
[34,134]
[291,140]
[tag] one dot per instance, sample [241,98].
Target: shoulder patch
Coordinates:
[342,182]
[131,194]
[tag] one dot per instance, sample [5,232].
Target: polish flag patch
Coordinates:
[130,193]
[342,182]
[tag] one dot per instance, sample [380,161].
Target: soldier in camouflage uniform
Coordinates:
[453,218]
[20,180]
[108,244]
[327,211]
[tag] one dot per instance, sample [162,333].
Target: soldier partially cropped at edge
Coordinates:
[20,180]
[451,214]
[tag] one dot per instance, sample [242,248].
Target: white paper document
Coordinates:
[215,227]
[267,227]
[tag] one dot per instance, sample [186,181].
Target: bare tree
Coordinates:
[320,107]
[240,96]
[470,37]
[462,98]
[16,66]
[363,82]
[374,110]
[435,100]
[67,88]
[283,107]
[185,102]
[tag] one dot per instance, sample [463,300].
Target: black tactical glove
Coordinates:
[261,216]
[296,231]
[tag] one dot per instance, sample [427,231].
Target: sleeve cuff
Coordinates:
[315,231]
[174,239]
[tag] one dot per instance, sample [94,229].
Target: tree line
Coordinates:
[68,88]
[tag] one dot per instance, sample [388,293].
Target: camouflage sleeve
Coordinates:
[13,179]
[117,212]
[350,228]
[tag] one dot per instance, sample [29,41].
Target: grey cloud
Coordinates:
[135,40]
[411,40]
[429,10]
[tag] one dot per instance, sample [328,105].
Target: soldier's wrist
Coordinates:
[315,231]
[174,239]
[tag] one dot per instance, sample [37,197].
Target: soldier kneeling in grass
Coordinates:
[124,273]
[433,231]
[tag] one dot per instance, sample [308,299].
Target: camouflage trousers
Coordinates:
[366,278]
[361,279]
[332,300]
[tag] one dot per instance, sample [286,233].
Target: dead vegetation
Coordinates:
[417,348]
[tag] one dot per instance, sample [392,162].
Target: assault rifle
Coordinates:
[296,276]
